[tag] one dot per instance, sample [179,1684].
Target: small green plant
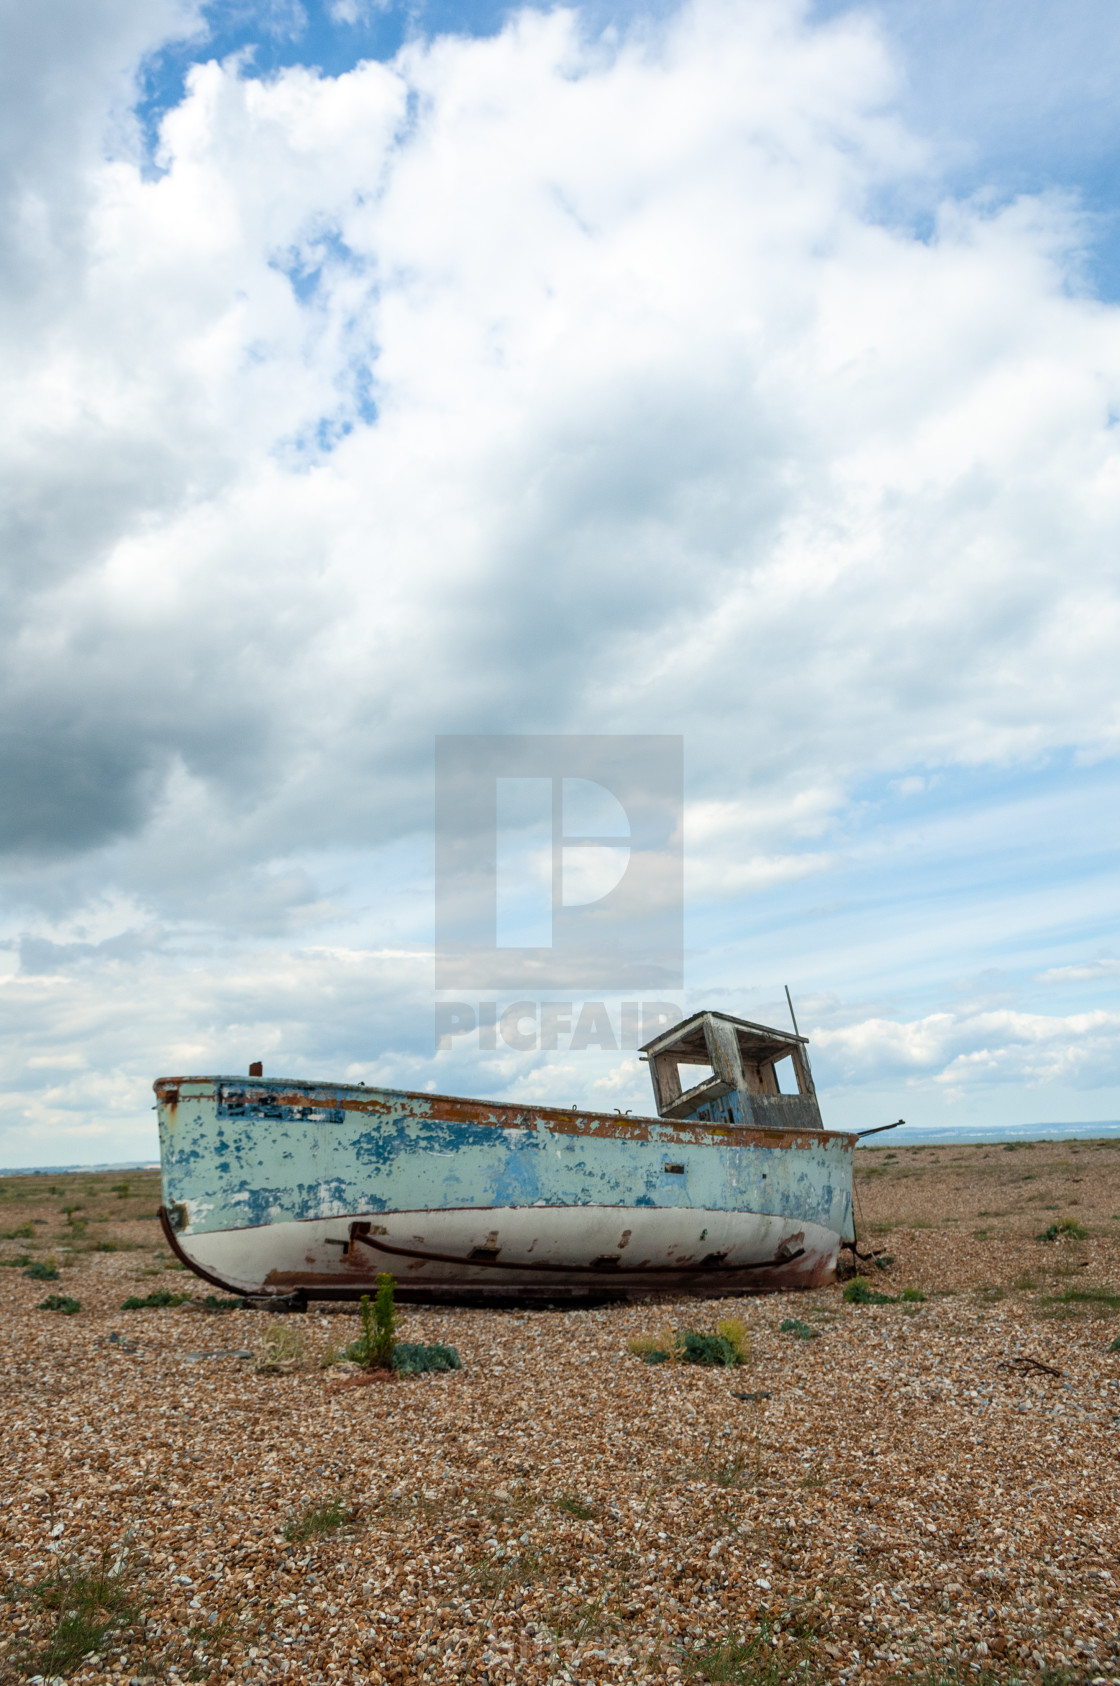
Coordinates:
[1115,1347]
[1063,1229]
[22,1232]
[373,1349]
[794,1326]
[19,1260]
[218,1302]
[912,1296]
[153,1302]
[413,1359]
[860,1292]
[43,1270]
[120,1190]
[320,1519]
[60,1302]
[88,1601]
[575,1506]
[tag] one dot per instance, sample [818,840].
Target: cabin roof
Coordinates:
[757,1041]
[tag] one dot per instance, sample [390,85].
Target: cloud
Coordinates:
[962,1051]
[547,382]
[1087,972]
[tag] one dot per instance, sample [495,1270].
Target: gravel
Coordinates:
[898,1493]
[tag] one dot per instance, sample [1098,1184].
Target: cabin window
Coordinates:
[786,1076]
[691,1076]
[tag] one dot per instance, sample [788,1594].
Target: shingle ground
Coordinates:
[909,1499]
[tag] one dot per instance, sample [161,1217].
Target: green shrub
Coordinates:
[1115,1347]
[913,1296]
[22,1232]
[413,1359]
[373,1349]
[19,1260]
[153,1302]
[60,1302]
[43,1270]
[860,1292]
[1065,1229]
[794,1326]
[708,1349]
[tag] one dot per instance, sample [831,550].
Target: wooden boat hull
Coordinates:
[278,1188]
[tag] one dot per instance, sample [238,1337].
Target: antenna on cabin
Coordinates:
[792,1014]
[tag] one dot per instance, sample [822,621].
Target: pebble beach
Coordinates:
[925,1489]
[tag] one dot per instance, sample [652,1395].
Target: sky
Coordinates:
[373,372]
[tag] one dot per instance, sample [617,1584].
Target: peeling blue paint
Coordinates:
[338,1159]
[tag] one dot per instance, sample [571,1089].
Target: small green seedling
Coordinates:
[60,1302]
[794,1326]
[43,1270]
[912,1296]
[1064,1229]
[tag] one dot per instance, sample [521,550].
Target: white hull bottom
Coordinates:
[523,1252]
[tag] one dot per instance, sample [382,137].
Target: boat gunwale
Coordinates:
[516,1115]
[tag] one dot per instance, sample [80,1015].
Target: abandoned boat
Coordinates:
[307,1190]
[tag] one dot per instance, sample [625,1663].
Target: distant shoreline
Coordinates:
[918,1135]
[66,1170]
[976,1135]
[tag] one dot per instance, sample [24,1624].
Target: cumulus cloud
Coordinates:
[554,381]
[957,1050]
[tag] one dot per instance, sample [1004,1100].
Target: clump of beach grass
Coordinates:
[729,1345]
[281,1351]
[87,1601]
[323,1518]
